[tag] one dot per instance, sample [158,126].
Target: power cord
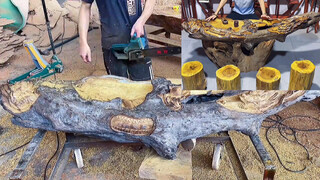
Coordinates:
[279,124]
[56,151]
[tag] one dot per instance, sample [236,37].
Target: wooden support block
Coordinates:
[228,78]
[156,167]
[268,78]
[302,73]
[193,77]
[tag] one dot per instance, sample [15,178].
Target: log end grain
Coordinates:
[302,74]
[228,78]
[193,77]
[268,78]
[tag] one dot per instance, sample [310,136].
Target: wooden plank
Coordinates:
[156,167]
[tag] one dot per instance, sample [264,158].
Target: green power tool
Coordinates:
[43,69]
[137,50]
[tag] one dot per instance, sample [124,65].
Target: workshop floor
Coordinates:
[298,46]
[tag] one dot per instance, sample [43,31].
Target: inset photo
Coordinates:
[250,45]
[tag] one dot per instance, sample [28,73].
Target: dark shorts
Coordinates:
[134,70]
[236,16]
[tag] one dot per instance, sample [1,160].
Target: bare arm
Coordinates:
[84,19]
[263,10]
[215,15]
[138,26]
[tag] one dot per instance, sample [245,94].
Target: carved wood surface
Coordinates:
[165,117]
[248,31]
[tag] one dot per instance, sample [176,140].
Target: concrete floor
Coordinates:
[298,46]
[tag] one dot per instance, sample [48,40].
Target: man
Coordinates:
[243,9]
[120,20]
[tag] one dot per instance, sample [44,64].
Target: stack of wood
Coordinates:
[8,41]
[63,21]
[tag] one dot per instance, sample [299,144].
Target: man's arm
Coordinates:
[147,11]
[263,10]
[215,15]
[84,19]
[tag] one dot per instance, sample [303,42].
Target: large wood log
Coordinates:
[159,114]
[246,44]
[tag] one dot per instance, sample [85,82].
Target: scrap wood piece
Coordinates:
[166,116]
[31,32]
[38,18]
[5,57]
[54,17]
[71,28]
[56,33]
[252,31]
[4,21]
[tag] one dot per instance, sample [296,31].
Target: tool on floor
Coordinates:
[43,69]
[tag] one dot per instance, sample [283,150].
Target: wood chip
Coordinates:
[4,21]
[54,17]
[31,32]
[4,57]
[37,18]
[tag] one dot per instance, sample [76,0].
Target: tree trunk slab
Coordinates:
[158,114]
[156,167]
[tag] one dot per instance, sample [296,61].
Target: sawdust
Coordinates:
[11,137]
[59,85]
[123,161]
[106,89]
[35,170]
[293,156]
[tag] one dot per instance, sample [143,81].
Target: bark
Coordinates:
[166,116]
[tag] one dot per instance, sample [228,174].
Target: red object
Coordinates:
[165,51]
[159,52]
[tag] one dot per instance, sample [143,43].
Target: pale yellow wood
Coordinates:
[302,74]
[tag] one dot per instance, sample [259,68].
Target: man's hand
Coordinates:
[211,18]
[265,17]
[138,28]
[84,14]
[85,53]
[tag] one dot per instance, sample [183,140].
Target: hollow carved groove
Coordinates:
[131,125]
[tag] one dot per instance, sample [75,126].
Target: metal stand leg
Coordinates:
[61,163]
[270,169]
[189,144]
[217,156]
[32,147]
[79,160]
